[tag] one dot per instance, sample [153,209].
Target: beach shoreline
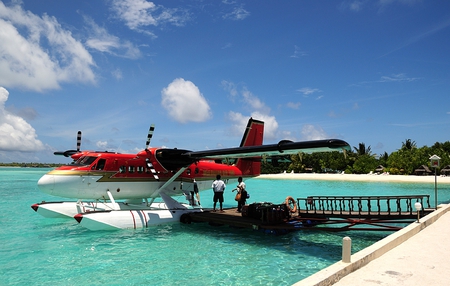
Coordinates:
[358,177]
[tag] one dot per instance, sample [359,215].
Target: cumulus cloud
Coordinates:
[239,122]
[184,102]
[15,133]
[258,108]
[37,54]
[139,14]
[311,132]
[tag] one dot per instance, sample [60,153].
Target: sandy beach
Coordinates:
[354,177]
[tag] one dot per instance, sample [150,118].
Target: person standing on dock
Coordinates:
[218,187]
[196,192]
[242,194]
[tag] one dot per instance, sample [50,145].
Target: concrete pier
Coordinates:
[416,255]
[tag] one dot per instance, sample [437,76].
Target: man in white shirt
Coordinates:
[218,187]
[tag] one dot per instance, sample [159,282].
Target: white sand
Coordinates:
[353,177]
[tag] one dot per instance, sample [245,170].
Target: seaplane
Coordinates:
[119,191]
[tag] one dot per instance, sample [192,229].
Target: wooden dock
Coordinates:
[368,213]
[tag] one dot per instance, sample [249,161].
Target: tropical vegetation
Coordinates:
[361,160]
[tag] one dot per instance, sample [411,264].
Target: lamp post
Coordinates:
[434,161]
[418,207]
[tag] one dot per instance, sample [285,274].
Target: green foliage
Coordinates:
[365,164]
[360,160]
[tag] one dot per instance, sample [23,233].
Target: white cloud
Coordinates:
[230,87]
[139,14]
[102,41]
[293,105]
[308,90]
[258,108]
[117,74]
[252,100]
[398,78]
[29,62]
[298,53]
[102,144]
[270,124]
[238,13]
[184,102]
[311,132]
[15,133]
[240,122]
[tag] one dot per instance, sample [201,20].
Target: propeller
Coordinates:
[150,135]
[147,160]
[69,153]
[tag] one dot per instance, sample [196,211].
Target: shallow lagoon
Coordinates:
[57,251]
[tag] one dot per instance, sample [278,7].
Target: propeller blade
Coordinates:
[69,153]
[150,135]
[152,169]
[66,153]
[78,141]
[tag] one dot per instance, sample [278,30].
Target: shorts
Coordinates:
[218,196]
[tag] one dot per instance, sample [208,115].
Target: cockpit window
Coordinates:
[85,160]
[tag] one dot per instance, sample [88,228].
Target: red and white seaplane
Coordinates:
[118,191]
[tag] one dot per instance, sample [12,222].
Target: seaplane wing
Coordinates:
[284,147]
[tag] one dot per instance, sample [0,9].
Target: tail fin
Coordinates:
[253,136]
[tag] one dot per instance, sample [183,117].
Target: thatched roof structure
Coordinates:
[422,170]
[445,170]
[379,169]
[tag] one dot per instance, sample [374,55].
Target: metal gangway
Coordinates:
[350,212]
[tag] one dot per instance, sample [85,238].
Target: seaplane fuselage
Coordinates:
[128,176]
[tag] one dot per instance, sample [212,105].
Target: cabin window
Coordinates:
[130,169]
[197,170]
[140,169]
[188,172]
[122,169]
[101,164]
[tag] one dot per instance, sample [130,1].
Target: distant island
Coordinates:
[30,165]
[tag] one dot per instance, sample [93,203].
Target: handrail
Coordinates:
[365,205]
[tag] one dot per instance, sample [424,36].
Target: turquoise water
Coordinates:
[35,250]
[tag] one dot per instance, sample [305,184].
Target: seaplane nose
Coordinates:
[46,184]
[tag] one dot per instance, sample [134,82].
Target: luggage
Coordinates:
[255,210]
[268,213]
[244,211]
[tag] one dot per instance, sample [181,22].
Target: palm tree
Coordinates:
[362,150]
[409,145]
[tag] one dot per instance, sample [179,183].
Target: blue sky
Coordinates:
[376,72]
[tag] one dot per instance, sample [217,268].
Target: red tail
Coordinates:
[253,136]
